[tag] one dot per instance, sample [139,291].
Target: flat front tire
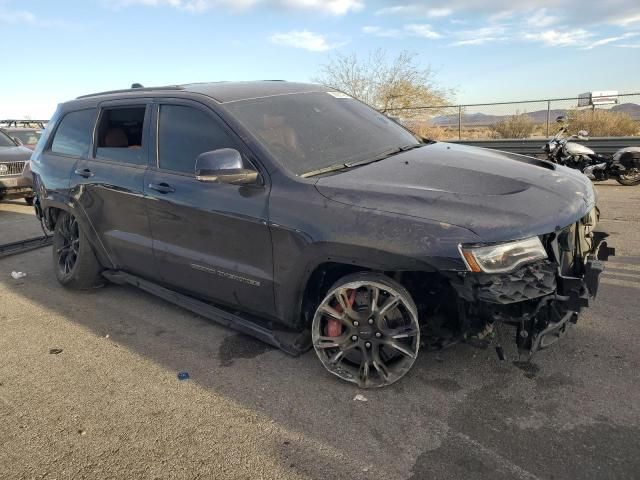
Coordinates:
[74,262]
[366,330]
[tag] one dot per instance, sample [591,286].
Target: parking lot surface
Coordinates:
[110,405]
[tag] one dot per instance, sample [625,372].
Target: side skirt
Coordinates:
[293,343]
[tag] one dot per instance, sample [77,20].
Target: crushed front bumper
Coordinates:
[540,299]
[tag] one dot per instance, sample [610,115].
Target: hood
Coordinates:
[499,196]
[14,154]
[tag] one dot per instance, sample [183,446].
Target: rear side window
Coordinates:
[73,135]
[120,135]
[184,133]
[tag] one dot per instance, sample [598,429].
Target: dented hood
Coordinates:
[497,195]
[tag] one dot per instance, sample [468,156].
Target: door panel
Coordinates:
[111,189]
[113,199]
[212,240]
[209,239]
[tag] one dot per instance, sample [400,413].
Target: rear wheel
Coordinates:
[74,262]
[631,178]
[366,330]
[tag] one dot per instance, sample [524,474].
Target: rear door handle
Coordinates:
[86,173]
[162,187]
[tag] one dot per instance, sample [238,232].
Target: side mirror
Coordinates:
[561,119]
[224,165]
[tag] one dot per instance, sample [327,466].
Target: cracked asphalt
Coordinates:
[110,405]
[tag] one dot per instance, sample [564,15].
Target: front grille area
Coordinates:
[11,168]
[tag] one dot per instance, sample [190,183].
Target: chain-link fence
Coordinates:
[525,119]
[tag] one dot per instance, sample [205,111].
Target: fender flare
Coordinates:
[55,202]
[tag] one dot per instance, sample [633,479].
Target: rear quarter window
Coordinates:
[73,135]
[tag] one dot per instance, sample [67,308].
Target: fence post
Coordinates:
[548,115]
[459,122]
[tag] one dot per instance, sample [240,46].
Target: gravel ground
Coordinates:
[110,405]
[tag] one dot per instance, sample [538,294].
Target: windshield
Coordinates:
[310,131]
[5,140]
[27,137]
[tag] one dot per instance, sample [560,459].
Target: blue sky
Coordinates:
[492,50]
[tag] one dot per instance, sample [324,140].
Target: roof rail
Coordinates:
[11,123]
[128,90]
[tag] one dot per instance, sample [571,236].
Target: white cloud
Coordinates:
[20,16]
[334,7]
[24,17]
[561,38]
[627,20]
[608,40]
[412,30]
[542,18]
[479,36]
[575,13]
[331,7]
[383,32]
[421,30]
[415,10]
[313,42]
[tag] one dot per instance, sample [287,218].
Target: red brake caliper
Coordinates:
[334,327]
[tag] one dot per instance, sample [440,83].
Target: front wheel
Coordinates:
[631,178]
[366,330]
[74,262]
[29,200]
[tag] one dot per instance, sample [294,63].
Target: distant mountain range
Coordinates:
[538,116]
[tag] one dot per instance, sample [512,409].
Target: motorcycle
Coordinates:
[624,165]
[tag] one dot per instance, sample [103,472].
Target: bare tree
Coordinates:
[387,85]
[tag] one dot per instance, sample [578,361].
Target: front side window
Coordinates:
[73,135]
[184,133]
[120,135]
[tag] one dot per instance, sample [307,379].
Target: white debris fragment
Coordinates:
[360,398]
[18,275]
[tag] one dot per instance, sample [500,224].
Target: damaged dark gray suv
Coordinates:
[301,216]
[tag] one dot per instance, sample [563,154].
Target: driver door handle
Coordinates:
[162,187]
[86,173]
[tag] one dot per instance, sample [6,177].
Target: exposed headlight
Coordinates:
[503,257]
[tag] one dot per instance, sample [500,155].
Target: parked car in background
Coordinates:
[15,172]
[302,216]
[28,137]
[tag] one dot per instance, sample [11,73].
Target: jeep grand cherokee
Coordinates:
[298,214]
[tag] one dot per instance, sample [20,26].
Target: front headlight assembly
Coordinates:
[503,257]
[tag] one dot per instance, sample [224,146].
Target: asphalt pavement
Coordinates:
[89,388]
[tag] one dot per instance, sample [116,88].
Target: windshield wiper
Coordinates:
[331,168]
[343,166]
[387,154]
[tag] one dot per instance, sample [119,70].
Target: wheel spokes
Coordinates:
[388,305]
[379,339]
[68,252]
[402,332]
[346,303]
[330,342]
[374,296]
[401,347]
[336,315]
